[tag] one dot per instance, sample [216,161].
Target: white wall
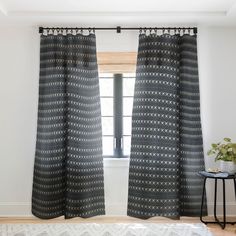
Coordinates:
[19,60]
[217,63]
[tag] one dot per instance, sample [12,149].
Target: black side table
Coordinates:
[206,175]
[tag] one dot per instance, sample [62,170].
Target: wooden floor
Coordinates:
[215,229]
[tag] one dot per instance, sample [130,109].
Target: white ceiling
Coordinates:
[121,5]
[118,12]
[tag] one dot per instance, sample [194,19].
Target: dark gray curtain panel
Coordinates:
[166,146]
[68,170]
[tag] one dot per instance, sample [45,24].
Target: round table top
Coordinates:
[218,175]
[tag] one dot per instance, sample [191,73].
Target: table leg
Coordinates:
[235,188]
[215,204]
[215,200]
[217,221]
[224,210]
[203,194]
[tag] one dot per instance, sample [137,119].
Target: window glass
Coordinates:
[106,82]
[107,125]
[127,145]
[107,145]
[106,87]
[128,86]
[127,125]
[107,106]
[127,106]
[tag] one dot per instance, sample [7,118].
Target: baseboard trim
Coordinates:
[116,209]
[23,209]
[230,208]
[15,209]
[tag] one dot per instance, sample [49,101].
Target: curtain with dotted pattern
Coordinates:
[166,146]
[68,170]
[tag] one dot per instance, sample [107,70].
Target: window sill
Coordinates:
[116,162]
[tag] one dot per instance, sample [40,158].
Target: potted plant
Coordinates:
[225,152]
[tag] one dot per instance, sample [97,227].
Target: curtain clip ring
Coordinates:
[145,30]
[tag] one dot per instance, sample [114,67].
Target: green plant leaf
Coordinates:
[209,152]
[227,139]
[214,145]
[223,150]
[234,147]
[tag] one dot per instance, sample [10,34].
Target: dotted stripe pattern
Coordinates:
[166,146]
[68,170]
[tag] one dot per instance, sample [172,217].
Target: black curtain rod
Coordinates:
[118,28]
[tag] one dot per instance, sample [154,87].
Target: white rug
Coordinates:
[93,229]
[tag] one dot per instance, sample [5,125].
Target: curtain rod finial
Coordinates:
[118,29]
[195,30]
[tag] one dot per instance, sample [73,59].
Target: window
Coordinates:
[117,91]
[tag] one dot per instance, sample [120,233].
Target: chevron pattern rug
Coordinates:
[93,229]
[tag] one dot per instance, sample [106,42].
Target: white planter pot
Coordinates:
[228,166]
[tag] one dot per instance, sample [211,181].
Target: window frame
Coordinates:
[117,64]
[118,117]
